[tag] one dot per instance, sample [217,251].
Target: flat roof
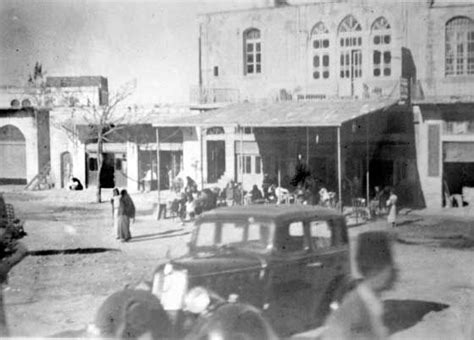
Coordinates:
[330,113]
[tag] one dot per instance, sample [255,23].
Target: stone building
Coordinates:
[24,144]
[369,92]
[442,43]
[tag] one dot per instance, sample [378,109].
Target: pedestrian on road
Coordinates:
[115,201]
[230,193]
[392,205]
[126,213]
[360,315]
[11,253]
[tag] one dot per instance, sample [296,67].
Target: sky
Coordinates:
[154,43]
[151,42]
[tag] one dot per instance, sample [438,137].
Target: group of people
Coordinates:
[123,213]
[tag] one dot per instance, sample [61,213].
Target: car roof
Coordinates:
[270,212]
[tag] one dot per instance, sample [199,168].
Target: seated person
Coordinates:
[256,195]
[75,184]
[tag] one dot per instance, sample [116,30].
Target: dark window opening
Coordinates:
[93,164]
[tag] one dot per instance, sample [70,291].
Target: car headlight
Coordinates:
[170,286]
[197,300]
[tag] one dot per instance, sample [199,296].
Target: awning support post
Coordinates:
[158,175]
[367,161]
[201,136]
[307,145]
[339,170]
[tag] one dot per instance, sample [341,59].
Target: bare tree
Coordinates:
[37,84]
[104,121]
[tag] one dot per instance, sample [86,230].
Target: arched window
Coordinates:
[15,103]
[25,103]
[459,46]
[381,41]
[252,51]
[350,42]
[320,42]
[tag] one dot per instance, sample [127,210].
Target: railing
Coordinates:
[209,95]
[458,127]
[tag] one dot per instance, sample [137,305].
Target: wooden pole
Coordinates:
[367,160]
[202,133]
[339,165]
[307,146]
[158,169]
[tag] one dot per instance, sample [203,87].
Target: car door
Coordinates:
[288,287]
[322,264]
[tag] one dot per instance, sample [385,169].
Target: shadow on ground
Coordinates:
[47,252]
[164,234]
[403,314]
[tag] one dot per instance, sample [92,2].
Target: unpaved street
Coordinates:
[54,291]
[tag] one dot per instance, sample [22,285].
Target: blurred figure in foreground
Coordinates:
[11,253]
[131,314]
[360,315]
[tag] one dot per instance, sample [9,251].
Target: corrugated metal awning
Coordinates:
[281,114]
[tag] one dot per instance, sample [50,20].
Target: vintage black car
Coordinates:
[289,261]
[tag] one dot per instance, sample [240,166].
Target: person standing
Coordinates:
[229,193]
[392,205]
[360,315]
[126,212]
[115,201]
[11,253]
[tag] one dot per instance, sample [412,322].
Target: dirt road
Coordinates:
[58,291]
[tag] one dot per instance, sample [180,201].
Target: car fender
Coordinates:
[233,320]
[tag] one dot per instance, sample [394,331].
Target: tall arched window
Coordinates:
[381,41]
[252,51]
[350,43]
[320,42]
[459,46]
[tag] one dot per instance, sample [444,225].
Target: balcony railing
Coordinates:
[211,95]
[458,127]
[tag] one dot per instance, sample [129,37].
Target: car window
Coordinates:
[206,235]
[251,234]
[254,232]
[296,229]
[321,234]
[232,232]
[291,237]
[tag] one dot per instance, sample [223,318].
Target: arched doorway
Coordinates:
[66,168]
[12,155]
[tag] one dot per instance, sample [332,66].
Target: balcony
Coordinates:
[209,96]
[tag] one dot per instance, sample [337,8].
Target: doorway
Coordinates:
[215,160]
[381,173]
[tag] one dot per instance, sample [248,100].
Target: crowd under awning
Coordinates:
[327,113]
[280,114]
